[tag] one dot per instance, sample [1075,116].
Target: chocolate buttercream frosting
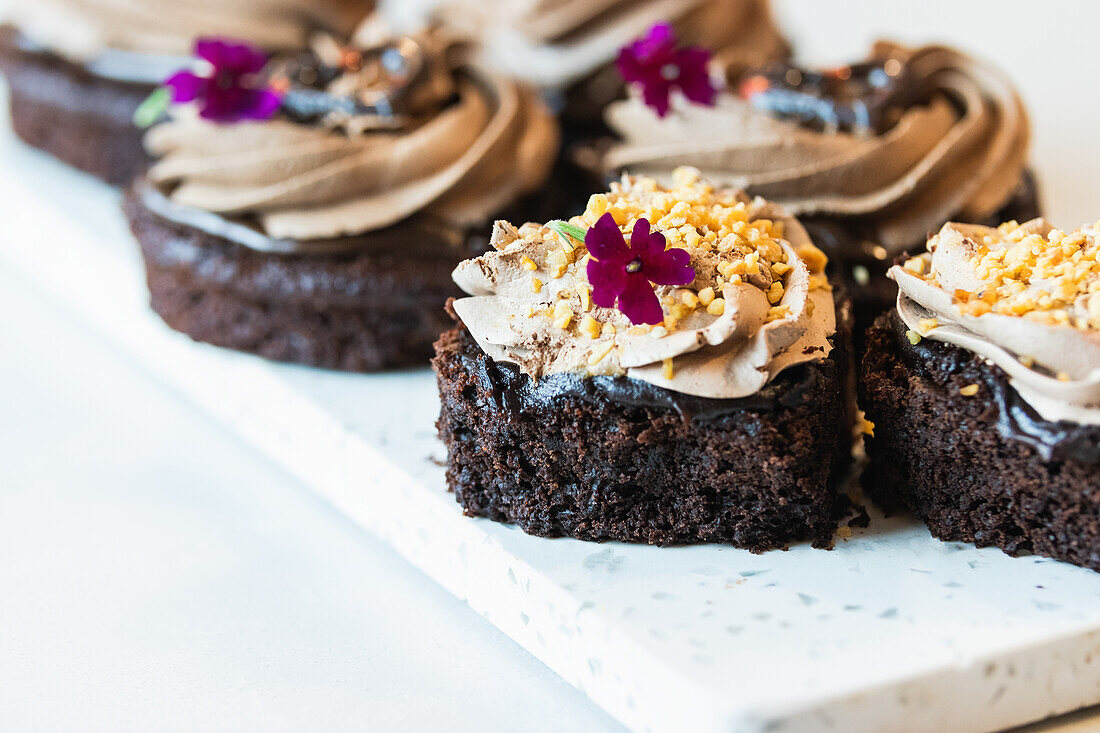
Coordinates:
[956,149]
[556,43]
[759,303]
[363,147]
[1024,297]
[140,38]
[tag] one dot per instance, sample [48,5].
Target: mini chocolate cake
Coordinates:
[871,157]
[988,425]
[79,71]
[323,229]
[563,415]
[84,120]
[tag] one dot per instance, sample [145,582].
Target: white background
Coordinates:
[155,573]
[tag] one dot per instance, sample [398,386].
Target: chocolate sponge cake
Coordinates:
[983,390]
[721,417]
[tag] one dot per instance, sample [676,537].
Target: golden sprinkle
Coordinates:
[969,390]
[668,372]
[867,427]
[536,285]
[775,292]
[658,332]
[927,324]
[717,307]
[1063,377]
[528,264]
[915,265]
[706,296]
[913,336]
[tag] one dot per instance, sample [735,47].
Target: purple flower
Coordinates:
[234,90]
[624,273]
[654,62]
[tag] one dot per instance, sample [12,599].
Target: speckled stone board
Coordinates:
[892,630]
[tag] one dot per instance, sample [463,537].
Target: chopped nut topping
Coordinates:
[1053,279]
[599,352]
[913,336]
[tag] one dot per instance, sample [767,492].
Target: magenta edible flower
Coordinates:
[618,272]
[654,62]
[233,90]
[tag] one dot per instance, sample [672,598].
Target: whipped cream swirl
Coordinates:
[465,149]
[759,304]
[960,154]
[1025,297]
[556,43]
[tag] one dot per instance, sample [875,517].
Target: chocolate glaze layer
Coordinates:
[514,391]
[1014,418]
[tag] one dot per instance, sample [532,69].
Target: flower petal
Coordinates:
[655,95]
[608,280]
[185,86]
[670,267]
[638,302]
[645,243]
[605,242]
[658,43]
[263,105]
[212,50]
[694,79]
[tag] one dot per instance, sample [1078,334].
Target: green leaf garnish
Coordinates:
[566,229]
[153,108]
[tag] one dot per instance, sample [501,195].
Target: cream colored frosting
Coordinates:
[940,292]
[531,304]
[84,29]
[461,162]
[555,43]
[959,156]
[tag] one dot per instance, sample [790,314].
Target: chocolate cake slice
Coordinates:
[555,421]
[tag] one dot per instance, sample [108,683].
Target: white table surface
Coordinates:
[157,574]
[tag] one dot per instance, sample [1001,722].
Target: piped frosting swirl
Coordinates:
[958,153]
[759,303]
[462,145]
[84,29]
[556,43]
[1025,297]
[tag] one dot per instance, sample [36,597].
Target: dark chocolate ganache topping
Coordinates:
[1012,416]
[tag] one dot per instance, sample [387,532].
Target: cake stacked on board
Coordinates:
[648,248]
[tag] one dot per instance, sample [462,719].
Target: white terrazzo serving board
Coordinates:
[892,630]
